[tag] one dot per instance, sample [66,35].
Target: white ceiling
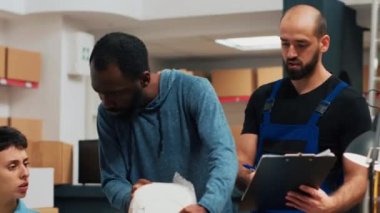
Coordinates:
[194,36]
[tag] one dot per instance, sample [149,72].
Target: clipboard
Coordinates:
[278,174]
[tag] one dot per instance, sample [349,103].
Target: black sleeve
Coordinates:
[356,120]
[254,109]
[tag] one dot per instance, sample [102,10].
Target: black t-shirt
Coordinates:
[346,118]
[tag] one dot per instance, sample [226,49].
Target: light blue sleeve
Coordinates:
[21,208]
[113,168]
[216,135]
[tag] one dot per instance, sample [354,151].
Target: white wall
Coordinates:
[153,9]
[148,9]
[4,102]
[141,9]
[40,33]
[12,6]
[92,103]
[129,8]
[209,64]
[3,24]
[60,101]
[73,95]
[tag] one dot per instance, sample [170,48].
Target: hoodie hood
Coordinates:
[167,78]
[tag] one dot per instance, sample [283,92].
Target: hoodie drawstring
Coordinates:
[160,145]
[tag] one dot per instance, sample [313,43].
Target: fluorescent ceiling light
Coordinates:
[252,43]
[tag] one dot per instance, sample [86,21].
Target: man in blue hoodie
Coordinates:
[152,125]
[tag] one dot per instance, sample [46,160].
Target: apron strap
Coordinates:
[269,102]
[325,103]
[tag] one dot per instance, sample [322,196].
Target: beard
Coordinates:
[133,110]
[305,69]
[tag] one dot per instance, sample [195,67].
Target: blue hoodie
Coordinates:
[182,130]
[21,208]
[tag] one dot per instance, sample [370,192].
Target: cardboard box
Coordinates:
[31,128]
[2,62]
[4,121]
[41,188]
[55,154]
[23,65]
[47,210]
[265,75]
[235,82]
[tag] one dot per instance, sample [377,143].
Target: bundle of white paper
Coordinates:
[41,188]
[163,197]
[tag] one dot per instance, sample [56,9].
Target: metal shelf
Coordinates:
[233,99]
[18,83]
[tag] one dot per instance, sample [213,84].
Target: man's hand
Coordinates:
[194,208]
[316,200]
[138,184]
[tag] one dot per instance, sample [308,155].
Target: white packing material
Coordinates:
[41,188]
[163,197]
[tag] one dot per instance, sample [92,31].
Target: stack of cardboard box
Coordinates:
[233,82]
[31,128]
[3,121]
[47,210]
[265,75]
[242,82]
[55,154]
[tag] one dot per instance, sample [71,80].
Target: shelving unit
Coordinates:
[373,61]
[18,83]
[373,66]
[233,99]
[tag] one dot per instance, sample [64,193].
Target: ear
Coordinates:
[145,79]
[324,43]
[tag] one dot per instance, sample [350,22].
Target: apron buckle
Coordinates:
[268,105]
[322,107]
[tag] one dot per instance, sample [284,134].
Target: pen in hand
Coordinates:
[249,167]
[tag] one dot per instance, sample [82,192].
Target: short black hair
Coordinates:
[10,136]
[128,52]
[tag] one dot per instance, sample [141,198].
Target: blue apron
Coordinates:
[305,136]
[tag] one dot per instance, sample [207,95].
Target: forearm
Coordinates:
[350,193]
[118,193]
[216,137]
[246,151]
[219,187]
